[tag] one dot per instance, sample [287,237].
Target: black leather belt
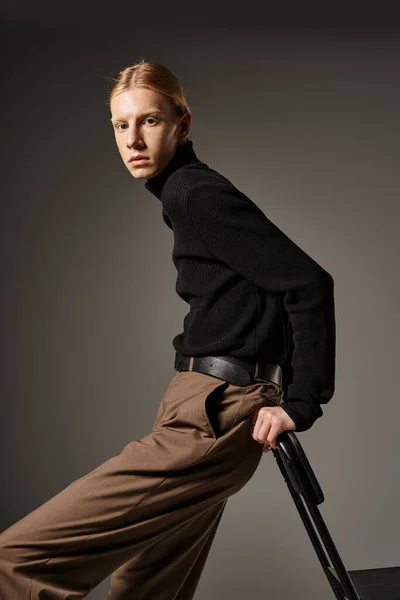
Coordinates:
[232,369]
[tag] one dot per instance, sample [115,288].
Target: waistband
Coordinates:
[232,369]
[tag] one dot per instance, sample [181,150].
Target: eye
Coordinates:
[119,125]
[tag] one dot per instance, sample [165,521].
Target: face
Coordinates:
[145,124]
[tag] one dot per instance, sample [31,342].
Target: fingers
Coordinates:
[273,434]
[267,427]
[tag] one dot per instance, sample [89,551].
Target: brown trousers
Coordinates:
[149,514]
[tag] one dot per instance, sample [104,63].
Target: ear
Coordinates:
[185,126]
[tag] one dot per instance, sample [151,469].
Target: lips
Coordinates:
[133,158]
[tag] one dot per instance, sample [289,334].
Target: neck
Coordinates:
[183,155]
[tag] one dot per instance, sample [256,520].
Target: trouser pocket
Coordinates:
[212,406]
[202,402]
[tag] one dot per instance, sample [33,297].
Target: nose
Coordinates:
[133,137]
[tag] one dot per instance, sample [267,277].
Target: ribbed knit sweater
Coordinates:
[252,292]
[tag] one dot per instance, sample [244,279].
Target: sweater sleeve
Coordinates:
[238,233]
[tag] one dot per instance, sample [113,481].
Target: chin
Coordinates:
[140,175]
[150,172]
[143,172]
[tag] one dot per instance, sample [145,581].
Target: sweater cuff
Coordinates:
[302,413]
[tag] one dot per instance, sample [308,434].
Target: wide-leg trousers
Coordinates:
[148,515]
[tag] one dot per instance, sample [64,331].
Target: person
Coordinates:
[148,516]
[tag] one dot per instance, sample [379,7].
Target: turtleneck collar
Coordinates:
[184,154]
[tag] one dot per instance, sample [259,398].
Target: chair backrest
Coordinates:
[298,467]
[305,490]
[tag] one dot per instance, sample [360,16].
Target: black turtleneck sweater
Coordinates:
[253,293]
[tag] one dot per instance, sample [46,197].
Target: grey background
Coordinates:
[301,115]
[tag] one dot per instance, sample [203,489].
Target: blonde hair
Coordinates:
[156,77]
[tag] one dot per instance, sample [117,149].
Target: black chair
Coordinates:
[364,584]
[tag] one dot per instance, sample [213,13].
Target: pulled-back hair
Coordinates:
[156,77]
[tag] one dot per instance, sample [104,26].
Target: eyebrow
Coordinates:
[147,112]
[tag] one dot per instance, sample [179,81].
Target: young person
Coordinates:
[258,302]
